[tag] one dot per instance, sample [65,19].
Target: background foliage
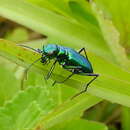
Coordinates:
[100,26]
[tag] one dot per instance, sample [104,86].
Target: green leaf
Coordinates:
[58,6]
[25,109]
[112,38]
[83,13]
[7,89]
[68,110]
[117,11]
[79,124]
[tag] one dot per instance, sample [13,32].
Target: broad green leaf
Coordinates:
[68,110]
[25,109]
[79,124]
[28,117]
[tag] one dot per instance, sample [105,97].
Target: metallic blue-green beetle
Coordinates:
[69,59]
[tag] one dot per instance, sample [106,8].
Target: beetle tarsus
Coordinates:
[87,85]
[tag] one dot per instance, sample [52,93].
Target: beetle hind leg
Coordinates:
[74,70]
[63,80]
[87,85]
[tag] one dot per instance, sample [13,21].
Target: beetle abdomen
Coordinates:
[77,59]
[70,57]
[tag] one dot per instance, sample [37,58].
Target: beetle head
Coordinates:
[50,51]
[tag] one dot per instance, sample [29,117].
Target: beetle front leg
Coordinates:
[51,70]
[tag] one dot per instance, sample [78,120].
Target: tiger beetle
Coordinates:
[69,59]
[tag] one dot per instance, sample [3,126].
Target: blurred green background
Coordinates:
[102,27]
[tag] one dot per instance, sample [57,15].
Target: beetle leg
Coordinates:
[86,86]
[63,80]
[71,67]
[83,49]
[26,72]
[74,68]
[51,70]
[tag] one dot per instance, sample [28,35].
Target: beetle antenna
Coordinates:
[36,50]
